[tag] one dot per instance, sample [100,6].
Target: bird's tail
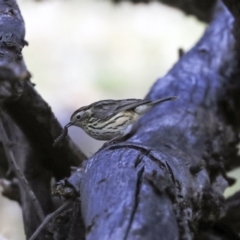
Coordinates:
[148,104]
[164,100]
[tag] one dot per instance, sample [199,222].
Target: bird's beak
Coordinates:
[69,125]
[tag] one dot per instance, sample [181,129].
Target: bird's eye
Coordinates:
[78,117]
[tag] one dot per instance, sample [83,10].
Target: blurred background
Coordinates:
[81,51]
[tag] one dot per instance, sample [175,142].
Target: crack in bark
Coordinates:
[142,149]
[134,209]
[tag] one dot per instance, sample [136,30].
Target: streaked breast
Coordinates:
[110,128]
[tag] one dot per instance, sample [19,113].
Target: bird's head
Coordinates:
[79,118]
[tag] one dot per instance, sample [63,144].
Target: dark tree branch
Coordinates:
[29,124]
[229,226]
[232,217]
[38,177]
[49,218]
[234,8]
[12,68]
[22,180]
[38,123]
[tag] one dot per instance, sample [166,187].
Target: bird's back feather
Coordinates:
[106,109]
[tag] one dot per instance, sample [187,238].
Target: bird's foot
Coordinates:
[113,141]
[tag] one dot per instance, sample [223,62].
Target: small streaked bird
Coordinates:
[110,119]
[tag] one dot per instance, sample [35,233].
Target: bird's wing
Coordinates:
[108,108]
[130,105]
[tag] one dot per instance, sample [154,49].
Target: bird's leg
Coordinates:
[113,141]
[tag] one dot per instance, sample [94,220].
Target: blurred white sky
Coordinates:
[84,51]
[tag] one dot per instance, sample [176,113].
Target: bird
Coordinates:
[109,120]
